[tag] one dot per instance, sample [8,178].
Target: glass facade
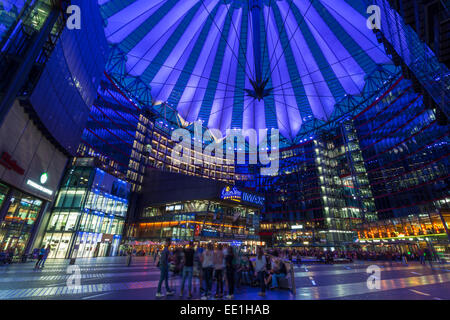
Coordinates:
[12,12]
[9,12]
[199,220]
[88,217]
[113,134]
[323,186]
[73,67]
[405,152]
[138,142]
[391,160]
[22,213]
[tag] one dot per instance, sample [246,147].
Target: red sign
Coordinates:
[197,230]
[10,164]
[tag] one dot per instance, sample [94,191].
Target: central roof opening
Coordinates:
[258,64]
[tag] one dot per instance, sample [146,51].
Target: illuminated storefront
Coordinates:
[31,168]
[89,213]
[409,233]
[290,234]
[232,215]
[21,212]
[200,220]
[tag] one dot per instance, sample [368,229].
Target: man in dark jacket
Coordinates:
[164,267]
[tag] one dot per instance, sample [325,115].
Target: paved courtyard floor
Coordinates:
[111,279]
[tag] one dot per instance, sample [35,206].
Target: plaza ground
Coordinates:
[111,279]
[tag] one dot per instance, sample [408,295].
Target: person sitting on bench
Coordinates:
[278,271]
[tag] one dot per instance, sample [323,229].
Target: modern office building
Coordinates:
[320,195]
[88,217]
[187,208]
[48,79]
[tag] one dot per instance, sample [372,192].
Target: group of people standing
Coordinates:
[220,264]
[206,263]
[216,264]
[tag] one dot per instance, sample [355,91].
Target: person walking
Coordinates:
[260,270]
[229,268]
[40,257]
[164,268]
[421,256]
[188,268]
[207,260]
[404,259]
[218,270]
[428,256]
[47,252]
[129,257]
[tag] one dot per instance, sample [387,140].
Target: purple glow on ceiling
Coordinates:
[145,34]
[222,108]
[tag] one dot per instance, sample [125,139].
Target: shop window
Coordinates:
[71,221]
[61,222]
[73,199]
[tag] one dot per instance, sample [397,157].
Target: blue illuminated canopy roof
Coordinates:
[247,64]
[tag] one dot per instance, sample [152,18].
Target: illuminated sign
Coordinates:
[176,207]
[233,194]
[39,187]
[297,226]
[253,198]
[44,178]
[10,164]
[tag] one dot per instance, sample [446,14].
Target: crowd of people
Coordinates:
[224,267]
[227,268]
[328,256]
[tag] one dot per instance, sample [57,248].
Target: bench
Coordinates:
[342,260]
[288,282]
[309,260]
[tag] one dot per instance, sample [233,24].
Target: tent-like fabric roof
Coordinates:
[247,64]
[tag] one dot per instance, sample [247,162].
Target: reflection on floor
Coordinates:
[110,278]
